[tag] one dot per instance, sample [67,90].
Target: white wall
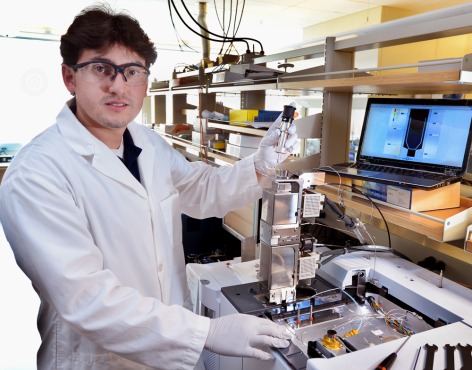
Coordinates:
[30,97]
[32,91]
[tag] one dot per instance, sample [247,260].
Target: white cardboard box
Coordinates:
[248,141]
[239,151]
[164,128]
[196,137]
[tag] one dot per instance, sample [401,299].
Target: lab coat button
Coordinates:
[161,267]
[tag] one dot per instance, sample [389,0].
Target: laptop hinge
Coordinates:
[451,172]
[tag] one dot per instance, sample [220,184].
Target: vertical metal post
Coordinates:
[337,106]
[253,99]
[158,106]
[179,102]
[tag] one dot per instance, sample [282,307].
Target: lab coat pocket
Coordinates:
[106,361]
[171,213]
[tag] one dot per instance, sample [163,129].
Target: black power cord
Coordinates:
[372,202]
[224,38]
[175,30]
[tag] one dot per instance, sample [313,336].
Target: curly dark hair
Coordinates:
[99,27]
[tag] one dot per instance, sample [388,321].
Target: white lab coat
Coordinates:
[104,252]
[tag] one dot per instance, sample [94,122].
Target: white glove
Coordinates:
[242,335]
[266,159]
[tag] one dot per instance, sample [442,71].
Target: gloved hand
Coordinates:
[266,159]
[242,335]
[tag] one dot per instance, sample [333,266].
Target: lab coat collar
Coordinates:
[97,153]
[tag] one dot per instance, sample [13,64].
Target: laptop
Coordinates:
[417,143]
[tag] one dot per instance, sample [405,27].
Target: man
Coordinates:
[91,208]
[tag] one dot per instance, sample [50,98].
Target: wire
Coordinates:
[230,17]
[358,307]
[374,269]
[235,29]
[206,30]
[179,39]
[347,294]
[390,320]
[372,202]
[217,15]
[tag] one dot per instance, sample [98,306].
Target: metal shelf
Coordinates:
[215,88]
[444,82]
[236,128]
[209,152]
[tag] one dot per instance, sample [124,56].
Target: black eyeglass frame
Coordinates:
[118,68]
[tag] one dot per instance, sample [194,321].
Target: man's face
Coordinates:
[110,102]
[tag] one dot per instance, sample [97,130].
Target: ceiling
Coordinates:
[276,23]
[305,13]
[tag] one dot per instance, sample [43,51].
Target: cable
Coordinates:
[211,39]
[217,15]
[381,215]
[235,29]
[243,39]
[179,39]
[348,221]
[230,17]
[372,202]
[390,320]
[222,25]
[358,307]
[344,292]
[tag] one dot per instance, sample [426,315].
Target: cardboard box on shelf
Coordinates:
[201,124]
[239,151]
[267,115]
[248,141]
[196,137]
[453,222]
[443,225]
[242,115]
[412,198]
[217,144]
[164,128]
[338,180]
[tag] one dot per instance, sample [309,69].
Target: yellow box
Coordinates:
[243,115]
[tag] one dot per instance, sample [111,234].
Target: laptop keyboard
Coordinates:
[399,171]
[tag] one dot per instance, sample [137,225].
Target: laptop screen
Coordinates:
[417,131]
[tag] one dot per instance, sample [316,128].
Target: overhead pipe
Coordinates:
[205,39]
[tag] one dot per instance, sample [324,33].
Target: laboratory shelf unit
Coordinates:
[337,80]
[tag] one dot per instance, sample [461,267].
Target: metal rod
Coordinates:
[400,66]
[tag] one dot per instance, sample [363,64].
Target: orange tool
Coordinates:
[390,359]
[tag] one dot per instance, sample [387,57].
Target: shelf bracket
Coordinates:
[466,69]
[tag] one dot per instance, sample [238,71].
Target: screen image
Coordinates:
[429,134]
